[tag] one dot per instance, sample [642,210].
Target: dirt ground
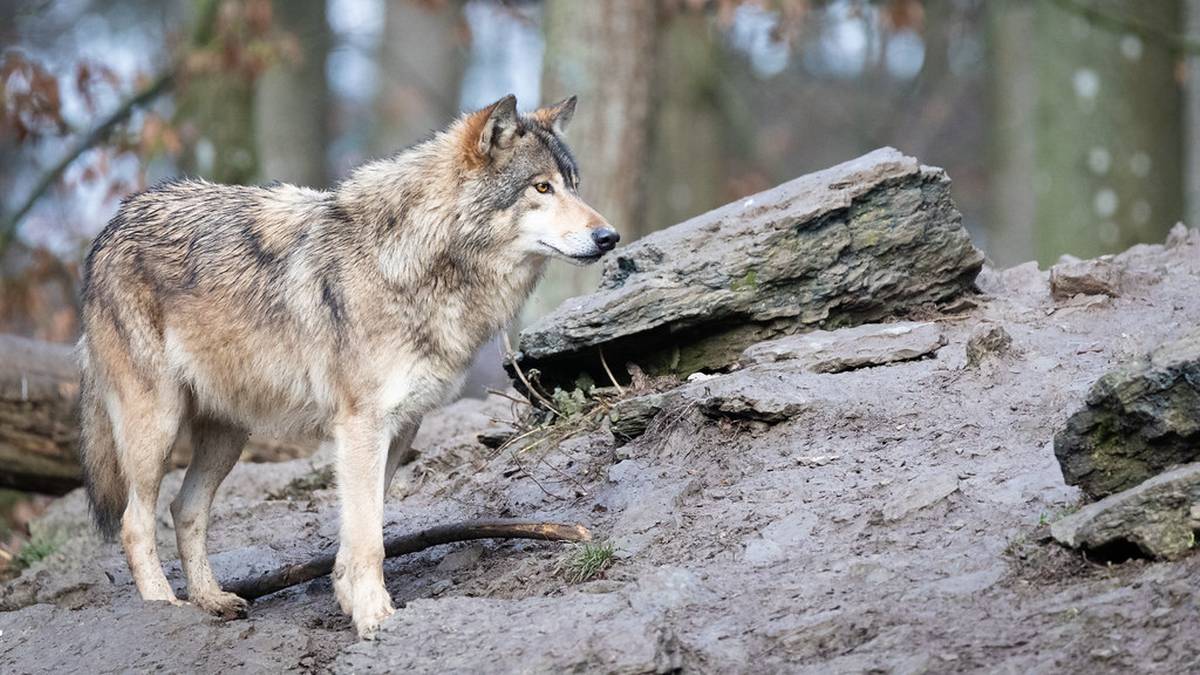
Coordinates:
[894,523]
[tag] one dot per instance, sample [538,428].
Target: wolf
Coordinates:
[218,311]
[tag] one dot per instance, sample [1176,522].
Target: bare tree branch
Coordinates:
[397,545]
[162,84]
[165,82]
[1117,24]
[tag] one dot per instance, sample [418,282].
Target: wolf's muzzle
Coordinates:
[606,238]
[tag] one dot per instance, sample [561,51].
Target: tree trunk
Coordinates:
[1192,119]
[1109,128]
[604,52]
[291,104]
[689,127]
[216,111]
[421,64]
[1013,90]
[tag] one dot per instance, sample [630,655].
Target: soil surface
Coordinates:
[884,519]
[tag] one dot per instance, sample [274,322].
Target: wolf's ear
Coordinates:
[499,128]
[557,116]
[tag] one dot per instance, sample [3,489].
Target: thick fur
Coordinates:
[219,310]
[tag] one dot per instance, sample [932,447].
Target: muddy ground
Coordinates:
[894,523]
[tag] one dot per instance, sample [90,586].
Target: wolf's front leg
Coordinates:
[362,448]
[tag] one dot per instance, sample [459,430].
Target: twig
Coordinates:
[1118,24]
[512,358]
[604,362]
[502,394]
[292,575]
[533,478]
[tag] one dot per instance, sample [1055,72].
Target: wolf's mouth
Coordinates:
[581,258]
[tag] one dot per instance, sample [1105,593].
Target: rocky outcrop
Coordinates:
[1139,420]
[1159,517]
[873,238]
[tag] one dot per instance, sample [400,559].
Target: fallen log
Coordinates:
[865,241]
[39,432]
[39,425]
[398,545]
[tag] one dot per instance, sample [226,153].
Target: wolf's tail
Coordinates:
[98,454]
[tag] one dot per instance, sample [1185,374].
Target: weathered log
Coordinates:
[39,426]
[1139,420]
[39,385]
[874,238]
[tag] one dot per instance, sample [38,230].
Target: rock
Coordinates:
[865,240]
[1024,280]
[850,348]
[1138,420]
[629,418]
[769,409]
[1099,276]
[1179,235]
[1159,516]
[920,494]
[987,340]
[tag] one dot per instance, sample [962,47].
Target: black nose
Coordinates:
[606,238]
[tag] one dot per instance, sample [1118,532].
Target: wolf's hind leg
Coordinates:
[216,447]
[148,423]
[400,452]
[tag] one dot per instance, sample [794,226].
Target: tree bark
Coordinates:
[39,385]
[421,64]
[604,52]
[291,105]
[690,125]
[217,110]
[1109,127]
[39,426]
[1012,101]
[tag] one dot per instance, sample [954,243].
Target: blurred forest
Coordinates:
[1068,126]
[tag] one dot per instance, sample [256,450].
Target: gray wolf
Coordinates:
[218,310]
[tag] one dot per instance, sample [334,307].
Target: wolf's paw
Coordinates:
[225,605]
[371,611]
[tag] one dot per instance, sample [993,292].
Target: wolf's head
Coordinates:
[526,175]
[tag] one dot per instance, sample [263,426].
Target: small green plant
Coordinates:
[37,548]
[586,561]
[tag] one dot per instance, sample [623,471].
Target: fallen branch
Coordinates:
[292,575]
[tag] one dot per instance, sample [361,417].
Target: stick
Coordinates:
[512,358]
[397,545]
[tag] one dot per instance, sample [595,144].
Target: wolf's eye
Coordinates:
[543,187]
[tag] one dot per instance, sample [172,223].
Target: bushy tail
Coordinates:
[98,456]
